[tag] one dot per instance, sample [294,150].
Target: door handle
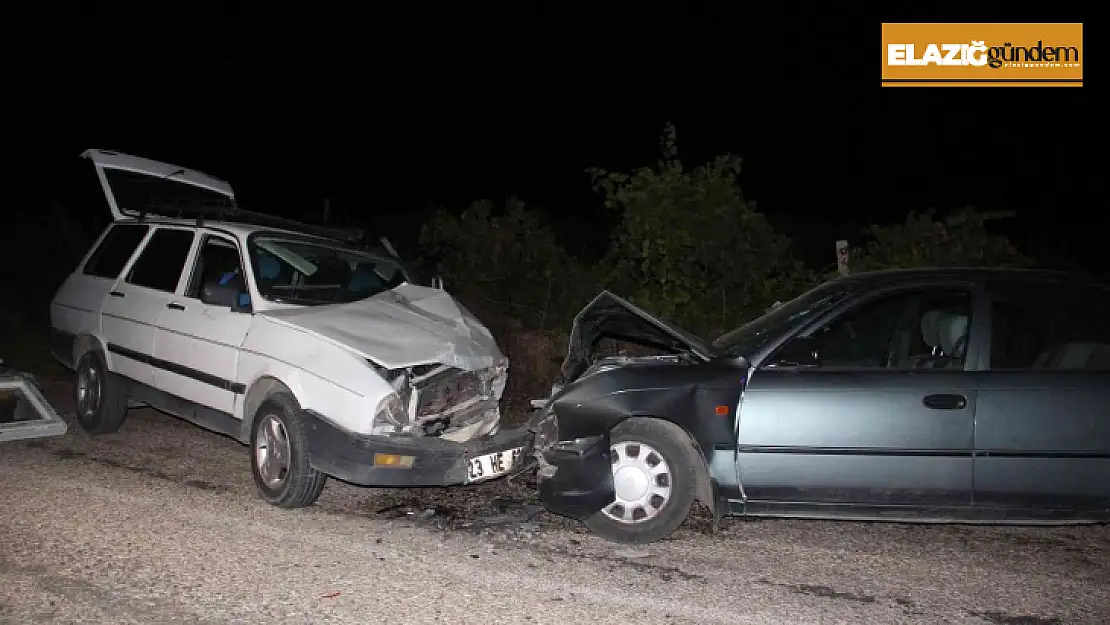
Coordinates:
[175,306]
[945,402]
[116,294]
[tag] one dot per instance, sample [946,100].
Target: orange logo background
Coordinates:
[967,55]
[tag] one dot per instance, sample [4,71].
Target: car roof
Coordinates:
[237,229]
[884,277]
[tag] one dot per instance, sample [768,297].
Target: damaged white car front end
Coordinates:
[441,370]
[422,408]
[439,400]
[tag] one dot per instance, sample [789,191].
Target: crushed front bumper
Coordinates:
[434,461]
[583,481]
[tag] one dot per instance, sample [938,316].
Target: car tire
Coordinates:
[279,455]
[635,444]
[99,398]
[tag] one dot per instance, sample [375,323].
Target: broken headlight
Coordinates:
[390,415]
[392,412]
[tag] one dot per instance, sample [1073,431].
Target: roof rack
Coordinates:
[234,214]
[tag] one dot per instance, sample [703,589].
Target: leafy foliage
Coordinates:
[922,240]
[509,263]
[690,248]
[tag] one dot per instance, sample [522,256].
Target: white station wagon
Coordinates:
[318,353]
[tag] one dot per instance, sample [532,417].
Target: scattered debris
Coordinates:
[509,509]
[24,411]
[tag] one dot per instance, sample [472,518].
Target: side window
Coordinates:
[161,262]
[1050,329]
[218,262]
[919,329]
[109,258]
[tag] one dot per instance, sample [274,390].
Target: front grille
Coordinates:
[443,392]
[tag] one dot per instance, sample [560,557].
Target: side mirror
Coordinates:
[802,351]
[216,294]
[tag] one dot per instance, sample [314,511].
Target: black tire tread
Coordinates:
[113,401]
[305,483]
[681,454]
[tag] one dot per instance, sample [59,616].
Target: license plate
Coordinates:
[491,465]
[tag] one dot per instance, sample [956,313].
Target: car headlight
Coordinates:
[390,415]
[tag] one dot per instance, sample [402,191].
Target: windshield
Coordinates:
[309,272]
[751,337]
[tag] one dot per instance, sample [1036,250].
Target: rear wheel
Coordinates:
[655,480]
[100,402]
[279,455]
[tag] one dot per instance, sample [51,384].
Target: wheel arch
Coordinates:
[259,390]
[86,342]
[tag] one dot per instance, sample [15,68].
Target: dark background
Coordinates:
[391,113]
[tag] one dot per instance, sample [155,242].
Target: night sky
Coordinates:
[391,113]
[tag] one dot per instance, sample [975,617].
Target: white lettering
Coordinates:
[976,54]
[896,54]
[932,55]
[952,53]
[944,54]
[910,58]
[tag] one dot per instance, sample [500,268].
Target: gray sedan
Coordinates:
[965,395]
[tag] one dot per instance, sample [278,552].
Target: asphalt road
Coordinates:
[159,524]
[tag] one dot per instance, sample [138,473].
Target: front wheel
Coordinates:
[655,480]
[279,458]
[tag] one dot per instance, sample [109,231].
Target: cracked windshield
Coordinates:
[309,273]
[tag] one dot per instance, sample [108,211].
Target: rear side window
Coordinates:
[1050,328]
[161,262]
[115,249]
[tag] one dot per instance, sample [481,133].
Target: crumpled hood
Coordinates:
[406,326]
[611,316]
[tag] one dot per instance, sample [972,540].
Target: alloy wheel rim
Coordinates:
[88,391]
[271,451]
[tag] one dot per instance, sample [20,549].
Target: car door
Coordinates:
[131,310]
[887,418]
[76,307]
[201,341]
[1042,432]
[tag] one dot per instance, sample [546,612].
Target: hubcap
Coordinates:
[271,451]
[88,390]
[642,481]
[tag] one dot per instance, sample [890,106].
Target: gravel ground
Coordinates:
[159,524]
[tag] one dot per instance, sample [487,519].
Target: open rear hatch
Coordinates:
[136,186]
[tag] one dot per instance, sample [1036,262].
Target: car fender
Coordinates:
[322,376]
[84,342]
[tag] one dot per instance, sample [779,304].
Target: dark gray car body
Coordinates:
[955,441]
